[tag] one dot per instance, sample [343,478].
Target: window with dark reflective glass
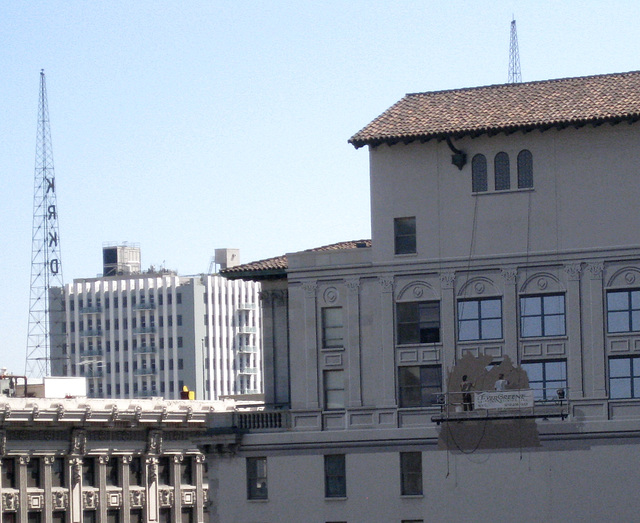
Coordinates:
[419,385]
[542,315]
[623,311]
[624,377]
[411,473]
[58,473]
[89,516]
[89,472]
[332,336]
[34,517]
[334,389]
[113,516]
[9,473]
[257,478]
[480,319]
[405,235]
[165,515]
[33,473]
[502,172]
[136,515]
[164,470]
[56,517]
[335,478]
[525,169]
[546,378]
[479,173]
[186,471]
[418,322]
[113,472]
[187,515]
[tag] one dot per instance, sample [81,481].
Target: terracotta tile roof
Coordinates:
[507,107]
[276,267]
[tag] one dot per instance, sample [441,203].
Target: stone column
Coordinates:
[126,485]
[151,482]
[594,352]
[102,487]
[353,343]
[22,486]
[75,489]
[387,344]
[510,314]
[48,496]
[201,501]
[448,321]
[311,345]
[177,490]
[574,330]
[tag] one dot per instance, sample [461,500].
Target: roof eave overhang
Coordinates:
[490,131]
[256,275]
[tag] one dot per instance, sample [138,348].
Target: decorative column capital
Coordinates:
[510,275]
[573,271]
[310,289]
[447,279]
[386,283]
[353,285]
[596,270]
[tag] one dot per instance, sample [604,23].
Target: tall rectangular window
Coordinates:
[335,478]
[58,473]
[9,473]
[624,377]
[257,478]
[480,319]
[418,322]
[546,378]
[542,315]
[334,389]
[405,235]
[332,329]
[33,473]
[113,472]
[135,471]
[164,470]
[623,311]
[411,473]
[186,471]
[419,385]
[89,472]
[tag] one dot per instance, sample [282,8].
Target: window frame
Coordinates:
[479,177]
[328,326]
[332,388]
[543,315]
[406,335]
[502,172]
[479,319]
[411,474]
[632,313]
[632,378]
[550,386]
[257,478]
[405,235]
[525,169]
[424,390]
[335,476]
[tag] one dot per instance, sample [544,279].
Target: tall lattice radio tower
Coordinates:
[45,306]
[515,76]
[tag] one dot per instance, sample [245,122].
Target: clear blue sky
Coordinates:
[190,126]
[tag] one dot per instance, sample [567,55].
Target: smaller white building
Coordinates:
[144,334]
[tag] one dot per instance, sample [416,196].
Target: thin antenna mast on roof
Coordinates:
[515,77]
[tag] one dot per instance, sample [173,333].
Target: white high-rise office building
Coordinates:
[135,334]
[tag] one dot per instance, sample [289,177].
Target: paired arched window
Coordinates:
[525,169]
[479,173]
[501,171]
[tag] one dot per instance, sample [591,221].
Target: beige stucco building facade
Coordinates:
[504,226]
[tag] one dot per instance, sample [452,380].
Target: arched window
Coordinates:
[479,173]
[525,169]
[501,164]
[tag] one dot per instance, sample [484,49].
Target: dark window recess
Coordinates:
[418,322]
[479,173]
[405,235]
[502,172]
